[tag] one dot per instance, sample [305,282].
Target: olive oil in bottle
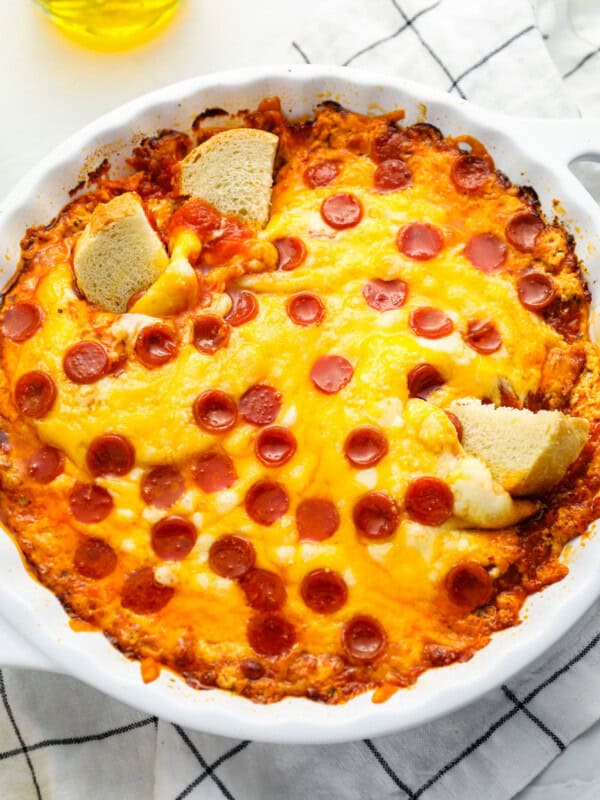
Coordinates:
[109,24]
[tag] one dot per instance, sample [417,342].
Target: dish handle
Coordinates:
[17,652]
[566,140]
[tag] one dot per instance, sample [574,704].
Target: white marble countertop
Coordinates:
[63,86]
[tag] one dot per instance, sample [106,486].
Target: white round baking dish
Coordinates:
[34,629]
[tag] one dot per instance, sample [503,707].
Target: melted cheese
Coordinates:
[397,581]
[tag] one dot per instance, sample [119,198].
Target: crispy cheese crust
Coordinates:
[341,474]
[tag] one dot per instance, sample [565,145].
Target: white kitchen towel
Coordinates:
[490,52]
[571,30]
[60,740]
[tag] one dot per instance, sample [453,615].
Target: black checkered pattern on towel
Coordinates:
[121,753]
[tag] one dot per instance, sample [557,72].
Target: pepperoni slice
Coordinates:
[391,176]
[270,635]
[90,503]
[110,454]
[86,362]
[143,594]
[341,211]
[94,558]
[306,309]
[536,290]
[35,394]
[321,173]
[162,486]
[275,446]
[21,321]
[215,411]
[291,252]
[251,669]
[324,591]
[486,251]
[376,515]
[226,243]
[420,240]
[316,519]
[260,404]
[470,173]
[429,501]
[483,336]
[389,145]
[45,464]
[198,215]
[264,590]
[385,295]
[266,502]
[173,538]
[231,556]
[469,585]
[214,472]
[244,307]
[423,380]
[210,333]
[156,345]
[331,373]
[523,230]
[457,424]
[365,446]
[363,639]
[430,323]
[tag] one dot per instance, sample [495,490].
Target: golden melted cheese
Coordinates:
[399,581]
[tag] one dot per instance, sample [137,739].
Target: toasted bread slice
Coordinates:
[118,254]
[526,453]
[233,171]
